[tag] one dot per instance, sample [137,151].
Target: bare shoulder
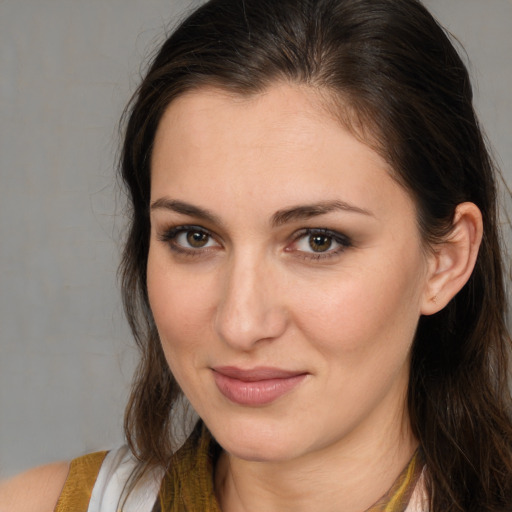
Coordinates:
[36,490]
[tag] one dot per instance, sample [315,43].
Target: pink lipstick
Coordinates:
[257,386]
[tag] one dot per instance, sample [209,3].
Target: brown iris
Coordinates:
[197,239]
[320,243]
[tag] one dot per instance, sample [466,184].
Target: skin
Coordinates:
[257,291]
[36,490]
[257,294]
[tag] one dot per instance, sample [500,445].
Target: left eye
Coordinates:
[321,242]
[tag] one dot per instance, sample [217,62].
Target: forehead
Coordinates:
[213,143]
[280,113]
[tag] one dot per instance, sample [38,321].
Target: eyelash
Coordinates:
[170,235]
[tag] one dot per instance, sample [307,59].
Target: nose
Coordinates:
[251,308]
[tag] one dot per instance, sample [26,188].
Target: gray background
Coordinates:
[67,68]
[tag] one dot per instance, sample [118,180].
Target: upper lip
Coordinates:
[256,374]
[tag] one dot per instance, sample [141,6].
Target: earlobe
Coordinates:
[452,260]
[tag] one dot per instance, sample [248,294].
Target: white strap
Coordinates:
[110,488]
[419,498]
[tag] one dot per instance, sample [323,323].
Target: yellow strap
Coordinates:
[77,490]
[188,486]
[398,497]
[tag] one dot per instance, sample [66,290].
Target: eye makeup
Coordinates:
[307,243]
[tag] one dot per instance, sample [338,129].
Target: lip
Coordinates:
[255,386]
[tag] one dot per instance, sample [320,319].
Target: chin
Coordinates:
[258,452]
[258,441]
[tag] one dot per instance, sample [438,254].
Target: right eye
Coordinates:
[188,239]
[195,239]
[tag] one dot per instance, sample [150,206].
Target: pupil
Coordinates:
[197,239]
[320,243]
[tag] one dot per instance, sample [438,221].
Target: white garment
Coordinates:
[109,490]
[419,499]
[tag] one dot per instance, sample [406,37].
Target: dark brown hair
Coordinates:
[402,87]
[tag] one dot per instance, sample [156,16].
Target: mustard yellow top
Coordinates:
[188,484]
[81,478]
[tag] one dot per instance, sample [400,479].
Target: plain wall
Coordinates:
[67,68]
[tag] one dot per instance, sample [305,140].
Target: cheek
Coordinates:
[365,310]
[178,307]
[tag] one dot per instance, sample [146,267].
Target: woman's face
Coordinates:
[286,273]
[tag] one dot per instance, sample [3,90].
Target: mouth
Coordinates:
[256,386]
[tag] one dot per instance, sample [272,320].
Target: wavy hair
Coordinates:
[400,85]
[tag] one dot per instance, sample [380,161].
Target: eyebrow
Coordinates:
[313,210]
[185,209]
[279,218]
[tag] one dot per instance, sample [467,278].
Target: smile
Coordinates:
[258,386]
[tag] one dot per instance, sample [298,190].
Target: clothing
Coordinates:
[98,482]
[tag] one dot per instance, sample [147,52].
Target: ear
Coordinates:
[452,260]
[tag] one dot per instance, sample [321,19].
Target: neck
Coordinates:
[350,475]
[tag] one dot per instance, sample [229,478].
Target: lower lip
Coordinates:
[260,392]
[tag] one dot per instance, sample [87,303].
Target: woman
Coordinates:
[313,260]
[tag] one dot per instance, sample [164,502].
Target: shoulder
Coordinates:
[59,486]
[36,490]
